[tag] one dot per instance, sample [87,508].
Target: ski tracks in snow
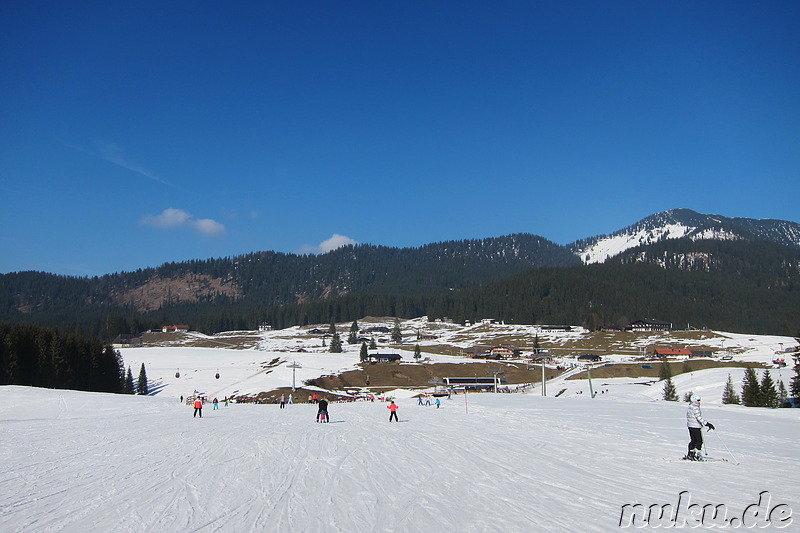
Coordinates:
[99,463]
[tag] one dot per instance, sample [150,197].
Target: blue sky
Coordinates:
[138,133]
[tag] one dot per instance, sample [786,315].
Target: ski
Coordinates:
[704,460]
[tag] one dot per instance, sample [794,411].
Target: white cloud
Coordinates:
[336,241]
[207,226]
[169,218]
[178,218]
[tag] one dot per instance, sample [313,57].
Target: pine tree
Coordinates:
[141,385]
[768,394]
[794,385]
[364,355]
[129,382]
[417,353]
[336,344]
[750,388]
[332,328]
[782,394]
[670,392]
[397,335]
[353,337]
[729,394]
[372,344]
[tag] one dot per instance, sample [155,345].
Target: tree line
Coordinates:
[43,357]
[748,286]
[755,392]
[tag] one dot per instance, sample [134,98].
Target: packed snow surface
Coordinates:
[87,462]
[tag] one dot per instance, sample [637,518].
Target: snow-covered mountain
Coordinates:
[680,223]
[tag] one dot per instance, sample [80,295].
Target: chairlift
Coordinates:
[217,376]
[178,373]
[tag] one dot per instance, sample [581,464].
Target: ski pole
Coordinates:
[735,461]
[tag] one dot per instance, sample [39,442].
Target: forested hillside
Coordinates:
[731,285]
[242,292]
[740,285]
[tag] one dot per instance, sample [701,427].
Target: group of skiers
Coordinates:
[694,419]
[200,401]
[427,401]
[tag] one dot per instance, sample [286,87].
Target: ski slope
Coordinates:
[87,462]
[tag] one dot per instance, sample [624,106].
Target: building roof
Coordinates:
[672,351]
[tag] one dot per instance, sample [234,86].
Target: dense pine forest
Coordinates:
[741,285]
[43,357]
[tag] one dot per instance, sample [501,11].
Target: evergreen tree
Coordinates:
[353,337]
[332,328]
[687,396]
[750,388]
[141,385]
[794,385]
[417,353]
[768,394]
[336,344]
[397,335]
[729,394]
[128,382]
[670,392]
[782,394]
[364,355]
[372,344]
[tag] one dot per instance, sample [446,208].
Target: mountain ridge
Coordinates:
[680,223]
[358,280]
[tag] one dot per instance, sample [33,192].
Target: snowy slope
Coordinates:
[612,245]
[83,462]
[679,223]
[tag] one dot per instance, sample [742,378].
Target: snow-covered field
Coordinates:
[264,365]
[84,462]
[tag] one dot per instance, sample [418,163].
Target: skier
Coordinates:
[283,402]
[438,403]
[198,407]
[216,403]
[393,408]
[290,400]
[695,421]
[323,410]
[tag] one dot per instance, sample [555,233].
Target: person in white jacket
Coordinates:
[695,422]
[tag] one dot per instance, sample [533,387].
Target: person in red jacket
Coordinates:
[393,408]
[198,407]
